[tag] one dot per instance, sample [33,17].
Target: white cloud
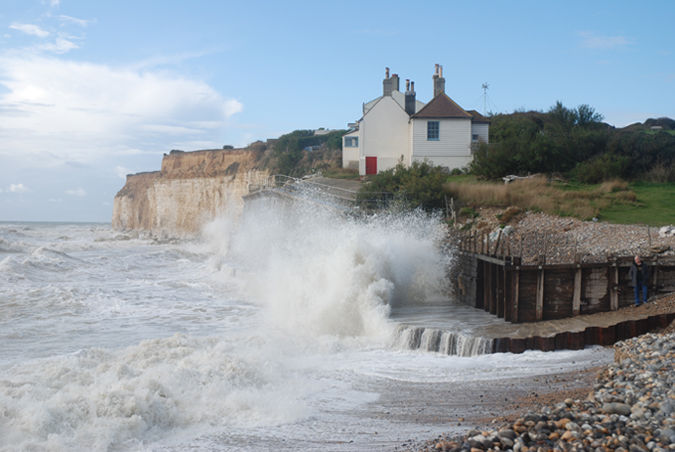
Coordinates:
[18,188]
[78,192]
[30,29]
[54,3]
[122,172]
[1,190]
[75,20]
[59,46]
[590,40]
[57,110]
[55,200]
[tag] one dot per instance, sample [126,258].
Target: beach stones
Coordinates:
[631,409]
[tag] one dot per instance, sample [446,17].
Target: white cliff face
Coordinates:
[182,206]
[179,200]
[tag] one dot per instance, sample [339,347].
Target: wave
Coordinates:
[320,273]
[100,400]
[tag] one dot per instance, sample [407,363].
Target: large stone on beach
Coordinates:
[507,433]
[616,408]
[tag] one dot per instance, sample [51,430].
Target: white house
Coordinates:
[396,125]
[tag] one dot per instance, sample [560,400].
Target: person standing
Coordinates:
[639,277]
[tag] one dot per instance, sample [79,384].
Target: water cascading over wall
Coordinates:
[191,189]
[440,341]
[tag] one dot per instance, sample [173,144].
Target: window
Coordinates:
[351,142]
[474,137]
[432,130]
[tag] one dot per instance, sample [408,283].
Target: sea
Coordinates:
[282,330]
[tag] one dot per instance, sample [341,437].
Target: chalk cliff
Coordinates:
[191,189]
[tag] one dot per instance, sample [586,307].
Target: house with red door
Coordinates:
[397,126]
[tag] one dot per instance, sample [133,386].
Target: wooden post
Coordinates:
[516,291]
[494,297]
[487,287]
[539,307]
[499,236]
[576,301]
[501,290]
[649,234]
[614,286]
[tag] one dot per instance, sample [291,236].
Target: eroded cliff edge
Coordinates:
[190,190]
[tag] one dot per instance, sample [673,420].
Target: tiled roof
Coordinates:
[477,117]
[442,106]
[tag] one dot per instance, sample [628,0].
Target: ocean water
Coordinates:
[281,332]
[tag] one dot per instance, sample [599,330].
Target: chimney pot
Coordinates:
[410,104]
[439,81]
[386,72]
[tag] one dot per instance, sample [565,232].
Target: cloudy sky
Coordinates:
[91,91]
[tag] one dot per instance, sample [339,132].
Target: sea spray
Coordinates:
[320,272]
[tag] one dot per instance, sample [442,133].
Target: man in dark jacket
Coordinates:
[639,277]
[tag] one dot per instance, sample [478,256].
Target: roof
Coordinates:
[477,117]
[442,106]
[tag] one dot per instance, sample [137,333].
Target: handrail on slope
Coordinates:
[291,184]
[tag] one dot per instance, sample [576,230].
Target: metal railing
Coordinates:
[307,188]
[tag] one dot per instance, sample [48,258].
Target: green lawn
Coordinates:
[655,206]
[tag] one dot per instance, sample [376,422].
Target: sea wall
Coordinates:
[191,189]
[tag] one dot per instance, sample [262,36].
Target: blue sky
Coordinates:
[91,91]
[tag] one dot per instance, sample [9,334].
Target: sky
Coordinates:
[91,91]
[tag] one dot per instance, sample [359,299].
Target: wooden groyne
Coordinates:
[489,277]
[492,276]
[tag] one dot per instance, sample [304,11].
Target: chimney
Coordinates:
[389,84]
[410,97]
[439,81]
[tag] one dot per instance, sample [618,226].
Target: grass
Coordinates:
[654,132]
[655,206]
[538,194]
[340,173]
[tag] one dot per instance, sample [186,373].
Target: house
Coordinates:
[396,125]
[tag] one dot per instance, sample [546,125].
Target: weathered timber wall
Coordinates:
[594,335]
[531,293]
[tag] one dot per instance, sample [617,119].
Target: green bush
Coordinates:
[604,168]
[420,185]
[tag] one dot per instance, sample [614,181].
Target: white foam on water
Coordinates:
[278,328]
[98,399]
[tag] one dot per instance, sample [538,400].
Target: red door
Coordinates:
[371,165]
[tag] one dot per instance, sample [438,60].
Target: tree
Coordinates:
[538,142]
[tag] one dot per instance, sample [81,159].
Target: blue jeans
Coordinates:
[639,287]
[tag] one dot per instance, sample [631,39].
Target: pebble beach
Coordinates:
[560,238]
[627,406]
[631,407]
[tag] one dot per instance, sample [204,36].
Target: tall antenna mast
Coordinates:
[485,88]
